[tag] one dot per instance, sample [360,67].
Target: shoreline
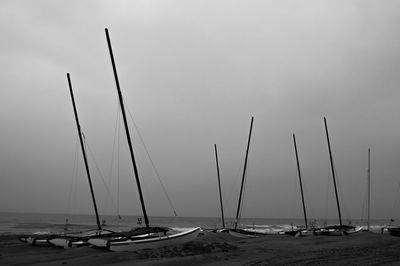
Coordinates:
[364,248]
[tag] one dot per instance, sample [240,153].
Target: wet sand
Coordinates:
[363,248]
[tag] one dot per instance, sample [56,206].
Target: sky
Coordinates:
[192,74]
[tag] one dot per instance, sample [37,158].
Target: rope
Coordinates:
[396,202]
[309,209]
[117,151]
[327,194]
[99,172]
[234,185]
[152,163]
[73,179]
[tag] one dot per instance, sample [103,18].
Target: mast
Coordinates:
[84,153]
[146,219]
[244,174]
[219,186]
[301,185]
[369,185]
[333,173]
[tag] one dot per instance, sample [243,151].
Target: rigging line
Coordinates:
[118,161]
[116,150]
[99,172]
[306,199]
[151,162]
[232,188]
[396,202]
[75,190]
[73,176]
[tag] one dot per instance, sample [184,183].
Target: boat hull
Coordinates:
[300,232]
[154,242]
[65,242]
[394,231]
[76,239]
[102,242]
[240,233]
[40,241]
[338,230]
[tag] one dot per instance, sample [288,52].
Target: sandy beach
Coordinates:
[363,248]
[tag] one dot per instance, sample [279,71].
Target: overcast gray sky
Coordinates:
[192,74]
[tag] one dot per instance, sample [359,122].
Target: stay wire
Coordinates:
[116,150]
[152,163]
[99,171]
[73,178]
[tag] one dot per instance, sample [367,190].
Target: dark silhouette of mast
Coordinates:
[301,184]
[333,173]
[219,186]
[146,220]
[84,153]
[244,174]
[369,185]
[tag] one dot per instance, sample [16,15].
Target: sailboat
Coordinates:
[238,232]
[151,237]
[301,231]
[80,238]
[393,230]
[223,229]
[341,229]
[71,239]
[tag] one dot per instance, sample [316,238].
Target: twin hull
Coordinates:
[155,242]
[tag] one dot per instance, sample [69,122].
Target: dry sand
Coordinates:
[221,249]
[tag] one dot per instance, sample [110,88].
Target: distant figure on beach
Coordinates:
[66,224]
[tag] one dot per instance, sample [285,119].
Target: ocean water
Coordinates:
[27,223]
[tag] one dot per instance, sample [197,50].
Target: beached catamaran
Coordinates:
[149,237]
[80,238]
[341,229]
[220,192]
[71,239]
[300,231]
[239,232]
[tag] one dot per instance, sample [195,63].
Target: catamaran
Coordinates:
[300,231]
[341,229]
[241,232]
[150,237]
[71,239]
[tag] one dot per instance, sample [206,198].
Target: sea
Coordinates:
[42,223]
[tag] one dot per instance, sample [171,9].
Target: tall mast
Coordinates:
[333,173]
[219,186]
[84,153]
[369,185]
[301,184]
[244,174]
[146,220]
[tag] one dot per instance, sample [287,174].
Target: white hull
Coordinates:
[338,231]
[299,233]
[355,230]
[244,234]
[75,240]
[65,242]
[304,233]
[101,242]
[155,242]
[35,241]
